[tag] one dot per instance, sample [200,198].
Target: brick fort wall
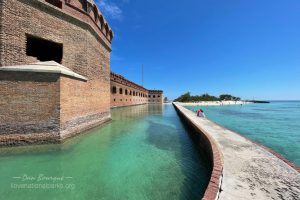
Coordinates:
[85,37]
[126,93]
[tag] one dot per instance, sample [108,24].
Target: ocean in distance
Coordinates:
[275,125]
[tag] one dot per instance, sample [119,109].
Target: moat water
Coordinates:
[275,125]
[144,153]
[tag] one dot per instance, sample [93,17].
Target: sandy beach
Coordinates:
[214,103]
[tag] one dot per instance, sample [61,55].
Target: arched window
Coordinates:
[130,93]
[133,93]
[153,96]
[126,92]
[120,91]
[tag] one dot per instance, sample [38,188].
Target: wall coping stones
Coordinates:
[44,67]
[250,171]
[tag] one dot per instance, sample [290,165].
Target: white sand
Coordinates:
[213,103]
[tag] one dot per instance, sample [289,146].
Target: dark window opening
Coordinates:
[44,50]
[56,3]
[126,92]
[114,90]
[120,91]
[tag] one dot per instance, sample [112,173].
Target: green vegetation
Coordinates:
[187,97]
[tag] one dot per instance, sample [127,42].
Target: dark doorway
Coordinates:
[44,50]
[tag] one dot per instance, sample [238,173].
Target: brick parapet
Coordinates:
[92,15]
[122,80]
[77,16]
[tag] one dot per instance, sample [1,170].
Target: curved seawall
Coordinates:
[248,170]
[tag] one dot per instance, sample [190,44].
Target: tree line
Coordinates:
[187,97]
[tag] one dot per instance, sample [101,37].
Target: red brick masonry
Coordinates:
[215,155]
[126,93]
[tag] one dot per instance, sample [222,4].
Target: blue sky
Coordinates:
[248,48]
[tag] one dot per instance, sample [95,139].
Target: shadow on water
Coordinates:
[180,140]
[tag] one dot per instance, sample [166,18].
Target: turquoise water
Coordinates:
[144,153]
[275,125]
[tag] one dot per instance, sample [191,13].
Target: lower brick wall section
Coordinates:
[210,147]
[29,105]
[74,127]
[38,108]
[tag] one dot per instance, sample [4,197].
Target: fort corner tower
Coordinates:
[54,69]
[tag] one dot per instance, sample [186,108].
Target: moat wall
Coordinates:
[214,154]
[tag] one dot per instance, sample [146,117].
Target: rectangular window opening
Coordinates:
[44,50]
[56,3]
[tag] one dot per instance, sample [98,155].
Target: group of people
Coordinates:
[200,113]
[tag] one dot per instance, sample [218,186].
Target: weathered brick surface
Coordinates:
[29,103]
[55,106]
[82,103]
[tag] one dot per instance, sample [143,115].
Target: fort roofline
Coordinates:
[91,11]
[122,80]
[155,91]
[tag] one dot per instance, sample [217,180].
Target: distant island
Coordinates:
[188,98]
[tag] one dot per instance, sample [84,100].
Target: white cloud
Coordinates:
[110,10]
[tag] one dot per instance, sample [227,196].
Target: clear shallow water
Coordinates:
[275,125]
[144,153]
